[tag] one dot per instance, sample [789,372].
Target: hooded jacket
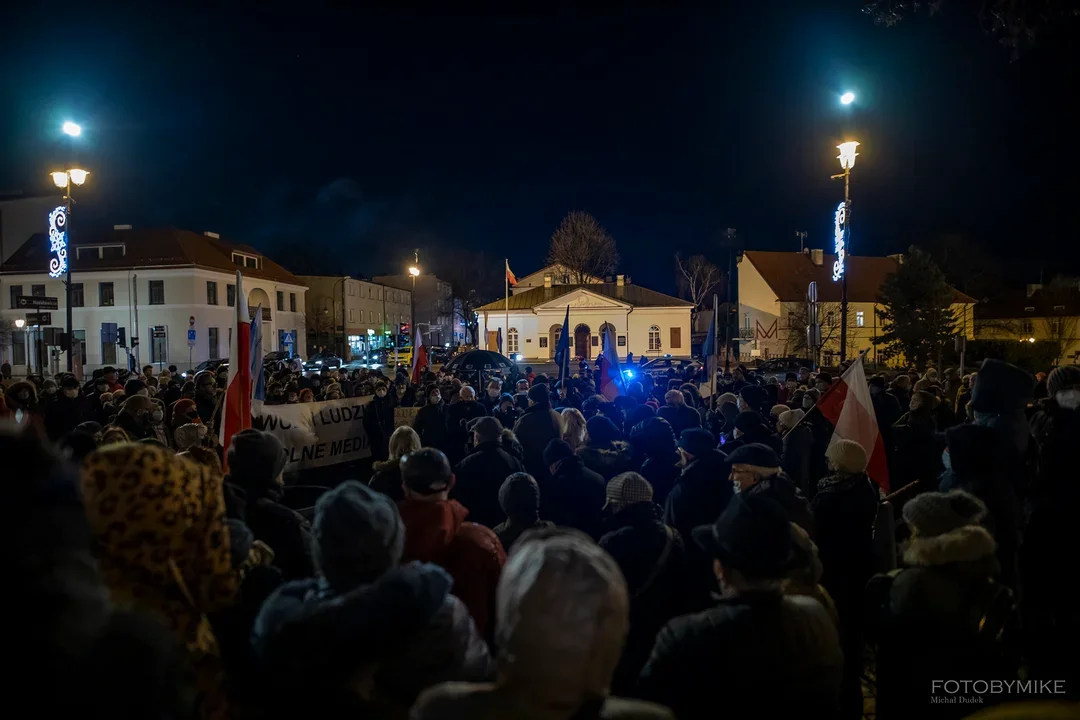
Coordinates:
[562,619]
[436,532]
[430,425]
[386,478]
[536,427]
[702,492]
[378,423]
[479,477]
[607,460]
[373,648]
[573,496]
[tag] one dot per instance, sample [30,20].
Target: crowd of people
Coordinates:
[527,548]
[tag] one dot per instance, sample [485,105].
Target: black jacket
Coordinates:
[386,478]
[652,557]
[287,532]
[607,461]
[701,494]
[573,497]
[681,417]
[662,473]
[536,427]
[63,414]
[796,458]
[397,636]
[757,655]
[478,479]
[378,422]
[845,509]
[916,456]
[782,490]
[430,425]
[458,417]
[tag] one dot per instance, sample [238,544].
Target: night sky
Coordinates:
[358,135]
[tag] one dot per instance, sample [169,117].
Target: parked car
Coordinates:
[211,365]
[321,360]
[658,367]
[783,365]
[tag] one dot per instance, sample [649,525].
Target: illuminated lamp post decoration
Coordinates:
[842,236]
[59,263]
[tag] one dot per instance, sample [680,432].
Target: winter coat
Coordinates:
[287,532]
[662,473]
[796,458]
[561,628]
[536,427]
[478,479]
[386,478]
[943,617]
[509,418]
[457,420]
[845,510]
[573,496]
[754,655]
[701,494]
[63,415]
[781,489]
[436,532]
[430,425]
[378,422]
[607,461]
[985,466]
[916,456]
[372,649]
[762,435]
[652,557]
[681,417]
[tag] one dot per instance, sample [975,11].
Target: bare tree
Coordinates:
[583,247]
[829,316]
[697,278]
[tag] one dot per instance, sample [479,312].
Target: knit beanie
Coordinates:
[847,456]
[752,396]
[519,497]
[748,421]
[358,535]
[778,410]
[933,513]
[791,418]
[255,458]
[1062,378]
[602,431]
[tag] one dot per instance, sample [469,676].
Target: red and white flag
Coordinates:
[236,406]
[419,357]
[510,277]
[847,405]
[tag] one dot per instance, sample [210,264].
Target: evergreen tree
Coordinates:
[916,314]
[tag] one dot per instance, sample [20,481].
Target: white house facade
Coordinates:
[644,322]
[154,285]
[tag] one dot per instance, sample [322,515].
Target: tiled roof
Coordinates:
[1043,303]
[149,247]
[633,295]
[790,273]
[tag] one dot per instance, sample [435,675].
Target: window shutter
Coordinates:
[676,338]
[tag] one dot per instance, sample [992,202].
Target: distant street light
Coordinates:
[414,272]
[71,129]
[847,98]
[60,235]
[842,231]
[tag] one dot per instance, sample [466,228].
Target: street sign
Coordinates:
[158,331]
[288,338]
[191,337]
[23,302]
[191,321]
[39,318]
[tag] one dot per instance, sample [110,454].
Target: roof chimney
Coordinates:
[214,235]
[620,280]
[817,257]
[121,227]
[547,280]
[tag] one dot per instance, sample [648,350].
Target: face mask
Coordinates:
[737,488]
[71,393]
[493,394]
[380,393]
[434,399]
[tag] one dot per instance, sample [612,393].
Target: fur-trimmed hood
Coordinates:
[967,544]
[13,393]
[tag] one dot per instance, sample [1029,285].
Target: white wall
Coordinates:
[185,297]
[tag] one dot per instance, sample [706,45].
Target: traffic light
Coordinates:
[404,327]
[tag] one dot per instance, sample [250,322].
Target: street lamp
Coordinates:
[60,234]
[842,234]
[847,98]
[71,129]
[414,272]
[20,323]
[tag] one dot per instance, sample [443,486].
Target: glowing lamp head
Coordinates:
[78,176]
[847,154]
[71,129]
[1031,339]
[20,323]
[414,271]
[60,178]
[847,98]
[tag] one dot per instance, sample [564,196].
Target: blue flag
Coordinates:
[562,350]
[258,372]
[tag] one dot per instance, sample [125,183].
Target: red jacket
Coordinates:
[436,532]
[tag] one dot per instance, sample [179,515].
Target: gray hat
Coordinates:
[1061,378]
[935,513]
[358,535]
[488,428]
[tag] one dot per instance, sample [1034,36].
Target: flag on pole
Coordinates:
[612,383]
[510,277]
[847,405]
[258,374]
[419,357]
[562,349]
[498,339]
[709,351]
[236,405]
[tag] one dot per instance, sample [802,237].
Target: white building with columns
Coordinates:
[153,284]
[645,322]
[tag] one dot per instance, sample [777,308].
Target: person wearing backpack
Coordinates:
[944,617]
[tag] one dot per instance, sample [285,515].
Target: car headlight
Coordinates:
[318,362]
[519,357]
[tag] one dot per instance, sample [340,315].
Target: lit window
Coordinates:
[512,341]
[654,338]
[860,319]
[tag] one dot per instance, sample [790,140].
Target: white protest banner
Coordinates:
[320,433]
[404,416]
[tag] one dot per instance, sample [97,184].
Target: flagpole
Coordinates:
[716,346]
[832,387]
[506,327]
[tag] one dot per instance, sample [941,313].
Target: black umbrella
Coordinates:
[479,361]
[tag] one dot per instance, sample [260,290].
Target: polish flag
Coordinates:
[236,405]
[419,357]
[847,405]
[510,277]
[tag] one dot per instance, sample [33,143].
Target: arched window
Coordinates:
[654,338]
[512,341]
